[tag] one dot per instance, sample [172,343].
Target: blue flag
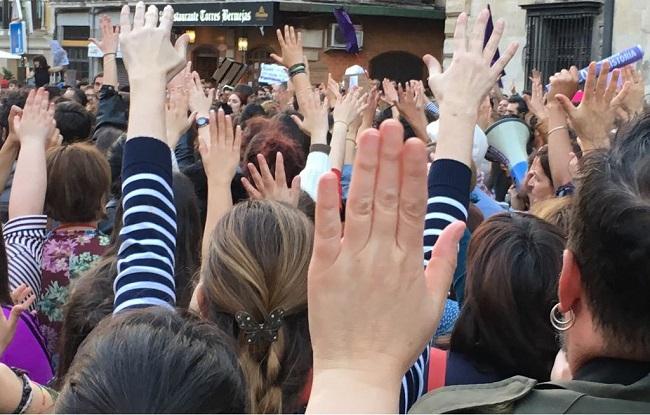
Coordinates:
[489,28]
[347,29]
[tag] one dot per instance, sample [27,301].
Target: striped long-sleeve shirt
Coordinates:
[148,238]
[24,237]
[448,189]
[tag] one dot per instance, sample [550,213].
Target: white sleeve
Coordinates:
[318,163]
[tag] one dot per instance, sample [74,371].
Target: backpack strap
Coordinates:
[437,369]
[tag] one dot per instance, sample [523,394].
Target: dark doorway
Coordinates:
[205,59]
[397,66]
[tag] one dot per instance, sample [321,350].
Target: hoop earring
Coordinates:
[561,321]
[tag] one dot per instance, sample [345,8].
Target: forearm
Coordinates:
[350,391]
[12,388]
[30,181]
[456,134]
[110,70]
[338,145]
[219,203]
[559,146]
[302,86]
[147,110]
[394,112]
[420,128]
[8,155]
[351,147]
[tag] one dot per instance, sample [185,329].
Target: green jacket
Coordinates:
[605,386]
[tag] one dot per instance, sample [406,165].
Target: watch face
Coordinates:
[203,121]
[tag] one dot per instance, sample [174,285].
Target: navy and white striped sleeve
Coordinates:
[449,182]
[24,237]
[148,238]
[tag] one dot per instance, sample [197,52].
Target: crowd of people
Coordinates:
[177,246]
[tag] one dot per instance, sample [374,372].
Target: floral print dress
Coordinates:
[66,255]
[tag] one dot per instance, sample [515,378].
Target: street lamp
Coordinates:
[242,44]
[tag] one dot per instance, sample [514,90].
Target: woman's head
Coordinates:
[539,180]
[257,263]
[151,361]
[236,101]
[269,142]
[78,181]
[40,62]
[513,265]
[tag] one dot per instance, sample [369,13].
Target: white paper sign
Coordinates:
[273,74]
[94,52]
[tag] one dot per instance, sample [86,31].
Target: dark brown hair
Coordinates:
[78,181]
[610,238]
[513,264]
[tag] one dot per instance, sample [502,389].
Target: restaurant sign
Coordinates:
[230,13]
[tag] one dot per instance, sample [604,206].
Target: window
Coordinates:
[78,58]
[559,35]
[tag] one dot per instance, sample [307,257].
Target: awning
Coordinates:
[7,55]
[393,10]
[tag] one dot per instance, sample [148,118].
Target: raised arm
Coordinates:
[346,111]
[459,90]
[10,147]
[108,45]
[293,58]
[148,238]
[220,153]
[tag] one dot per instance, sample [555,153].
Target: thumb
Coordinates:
[181,47]
[432,64]
[93,40]
[277,59]
[442,264]
[566,104]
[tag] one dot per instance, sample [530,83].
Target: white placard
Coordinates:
[94,52]
[273,74]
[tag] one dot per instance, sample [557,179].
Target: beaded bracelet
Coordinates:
[27,392]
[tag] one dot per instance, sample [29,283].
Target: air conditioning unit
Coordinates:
[336,40]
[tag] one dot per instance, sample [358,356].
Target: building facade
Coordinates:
[555,34]
[393,34]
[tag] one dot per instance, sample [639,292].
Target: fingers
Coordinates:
[478,32]
[413,196]
[253,193]
[295,191]
[590,82]
[327,224]
[387,188]
[125,19]
[503,61]
[280,177]
[618,100]
[612,86]
[362,191]
[167,19]
[236,145]
[139,16]
[267,178]
[281,41]
[181,48]
[443,260]
[601,82]
[493,42]
[151,17]
[460,33]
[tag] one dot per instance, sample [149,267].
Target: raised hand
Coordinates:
[315,121]
[369,113]
[391,97]
[199,101]
[347,109]
[594,118]
[269,187]
[183,79]
[372,308]
[633,102]
[110,36]
[536,102]
[146,46]
[221,152]
[36,125]
[23,297]
[564,82]
[470,76]
[333,90]
[177,120]
[291,46]
[12,137]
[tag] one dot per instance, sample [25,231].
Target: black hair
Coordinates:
[73,121]
[152,361]
[522,107]
[5,290]
[610,238]
[79,96]
[251,111]
[513,264]
[105,136]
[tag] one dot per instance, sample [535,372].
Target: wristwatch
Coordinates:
[202,122]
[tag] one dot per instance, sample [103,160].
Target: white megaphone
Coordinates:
[507,139]
[479,145]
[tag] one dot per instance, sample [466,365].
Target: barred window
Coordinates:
[559,35]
